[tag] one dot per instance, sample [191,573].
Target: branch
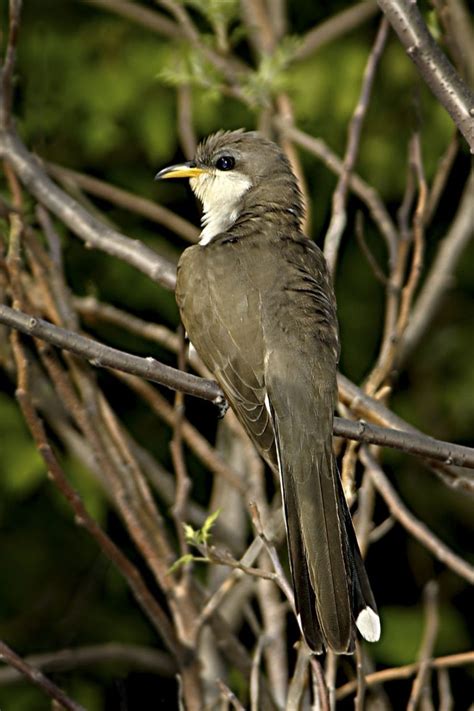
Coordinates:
[414,443]
[105,356]
[417,529]
[443,80]
[38,678]
[359,187]
[331,29]
[441,274]
[339,214]
[133,655]
[7,72]
[149,19]
[94,233]
[129,572]
[101,355]
[362,405]
[421,682]
[405,672]
[127,200]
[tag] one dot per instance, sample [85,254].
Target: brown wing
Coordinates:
[262,316]
[220,309]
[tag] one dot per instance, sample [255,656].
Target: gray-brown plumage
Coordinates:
[257,303]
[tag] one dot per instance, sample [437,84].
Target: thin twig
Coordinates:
[446,702]
[319,685]
[133,656]
[36,677]
[359,701]
[360,235]
[338,217]
[332,29]
[427,644]
[183,483]
[127,200]
[149,19]
[415,527]
[7,73]
[363,190]
[186,130]
[405,672]
[299,680]
[438,73]
[94,233]
[330,676]
[441,177]
[255,675]
[441,275]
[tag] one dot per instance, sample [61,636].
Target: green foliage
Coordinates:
[201,536]
[188,66]
[196,537]
[102,89]
[271,75]
[21,467]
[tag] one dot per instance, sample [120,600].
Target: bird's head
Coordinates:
[234,171]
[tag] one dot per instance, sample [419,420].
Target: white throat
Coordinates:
[220,193]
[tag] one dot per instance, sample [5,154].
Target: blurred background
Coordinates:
[100,94]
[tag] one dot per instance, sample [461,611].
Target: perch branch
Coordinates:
[104,356]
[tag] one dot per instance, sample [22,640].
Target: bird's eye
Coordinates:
[225,163]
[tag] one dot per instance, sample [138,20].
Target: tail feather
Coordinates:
[305,601]
[364,607]
[332,591]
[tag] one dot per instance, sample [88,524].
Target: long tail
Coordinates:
[332,592]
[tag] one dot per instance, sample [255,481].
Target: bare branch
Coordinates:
[363,190]
[94,233]
[149,19]
[104,356]
[113,553]
[340,24]
[427,644]
[440,277]
[127,200]
[439,74]
[424,446]
[6,78]
[134,656]
[339,217]
[415,527]
[405,672]
[36,677]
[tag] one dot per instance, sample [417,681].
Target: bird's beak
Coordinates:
[182,170]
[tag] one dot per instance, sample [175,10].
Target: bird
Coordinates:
[257,302]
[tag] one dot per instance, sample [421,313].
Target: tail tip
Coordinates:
[368,624]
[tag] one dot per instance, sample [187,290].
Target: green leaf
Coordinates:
[201,536]
[183,560]
[208,524]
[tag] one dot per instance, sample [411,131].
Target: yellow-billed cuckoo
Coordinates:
[257,303]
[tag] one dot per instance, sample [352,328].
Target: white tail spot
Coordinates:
[368,624]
